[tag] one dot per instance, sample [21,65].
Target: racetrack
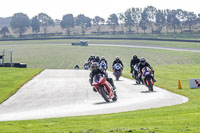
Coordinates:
[62,93]
[149,47]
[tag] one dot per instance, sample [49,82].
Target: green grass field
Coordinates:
[12,79]
[170,66]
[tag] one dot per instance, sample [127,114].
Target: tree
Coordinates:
[4,30]
[19,23]
[35,24]
[122,21]
[181,15]
[160,20]
[144,21]
[129,20]
[136,16]
[67,22]
[190,19]
[84,22]
[98,21]
[45,21]
[113,22]
[167,14]
[175,22]
[151,13]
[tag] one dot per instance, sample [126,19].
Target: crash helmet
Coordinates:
[103,58]
[97,57]
[117,58]
[94,66]
[135,56]
[143,61]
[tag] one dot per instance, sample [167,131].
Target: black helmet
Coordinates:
[135,56]
[142,60]
[94,66]
[97,57]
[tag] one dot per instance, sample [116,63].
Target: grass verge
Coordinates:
[12,79]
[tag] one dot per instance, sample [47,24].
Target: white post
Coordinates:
[3,57]
[11,64]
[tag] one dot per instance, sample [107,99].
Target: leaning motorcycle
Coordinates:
[103,66]
[117,70]
[104,88]
[147,77]
[135,74]
[86,66]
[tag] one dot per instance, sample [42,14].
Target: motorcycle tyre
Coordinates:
[150,85]
[115,96]
[104,95]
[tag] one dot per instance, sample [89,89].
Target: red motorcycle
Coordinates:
[104,88]
[147,77]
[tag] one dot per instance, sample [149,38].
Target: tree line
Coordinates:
[147,18]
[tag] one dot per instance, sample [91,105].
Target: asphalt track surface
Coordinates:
[148,47]
[64,93]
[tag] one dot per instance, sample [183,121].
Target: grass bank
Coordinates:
[12,79]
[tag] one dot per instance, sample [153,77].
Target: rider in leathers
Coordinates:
[143,64]
[91,58]
[134,61]
[95,71]
[103,59]
[117,60]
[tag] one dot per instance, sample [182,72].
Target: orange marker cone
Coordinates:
[179,85]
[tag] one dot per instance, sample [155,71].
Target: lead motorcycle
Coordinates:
[147,77]
[104,88]
[117,68]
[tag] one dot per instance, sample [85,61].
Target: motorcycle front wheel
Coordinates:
[115,96]
[104,95]
[150,86]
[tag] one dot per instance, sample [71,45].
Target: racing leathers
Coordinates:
[98,71]
[141,66]
[132,64]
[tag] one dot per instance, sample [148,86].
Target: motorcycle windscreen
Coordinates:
[97,78]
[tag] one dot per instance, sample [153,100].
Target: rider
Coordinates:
[97,59]
[104,60]
[143,64]
[91,58]
[117,60]
[134,61]
[95,71]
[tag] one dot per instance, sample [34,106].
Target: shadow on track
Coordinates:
[147,91]
[99,103]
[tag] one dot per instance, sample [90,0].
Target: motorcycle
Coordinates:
[103,66]
[104,88]
[135,74]
[147,77]
[86,66]
[117,70]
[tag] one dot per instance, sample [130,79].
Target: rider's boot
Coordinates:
[94,89]
[154,79]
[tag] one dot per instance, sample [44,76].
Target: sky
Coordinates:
[91,8]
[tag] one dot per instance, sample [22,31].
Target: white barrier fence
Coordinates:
[194,83]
